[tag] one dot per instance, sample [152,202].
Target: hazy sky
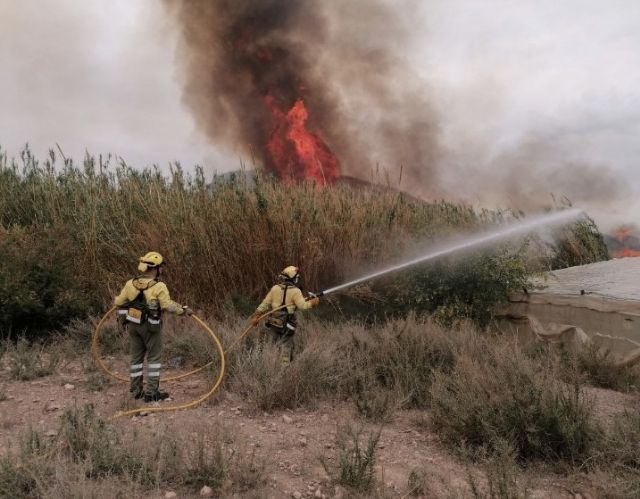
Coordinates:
[560,80]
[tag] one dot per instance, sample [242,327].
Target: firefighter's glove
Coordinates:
[187,311]
[314,302]
[255,319]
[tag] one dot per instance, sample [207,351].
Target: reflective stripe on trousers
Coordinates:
[154,370]
[136,370]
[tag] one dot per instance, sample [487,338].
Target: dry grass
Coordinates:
[497,395]
[89,454]
[493,404]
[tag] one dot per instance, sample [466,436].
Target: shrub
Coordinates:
[206,463]
[577,244]
[506,397]
[600,369]
[27,361]
[462,286]
[622,446]
[355,467]
[372,402]
[400,356]
[501,471]
[259,375]
[86,438]
[40,285]
[21,475]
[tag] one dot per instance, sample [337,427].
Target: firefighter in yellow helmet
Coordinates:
[140,306]
[281,326]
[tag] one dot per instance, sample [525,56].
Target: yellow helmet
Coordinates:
[291,273]
[150,260]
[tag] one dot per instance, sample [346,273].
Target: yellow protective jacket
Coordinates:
[158,292]
[294,300]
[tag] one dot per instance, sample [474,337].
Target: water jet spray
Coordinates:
[478,240]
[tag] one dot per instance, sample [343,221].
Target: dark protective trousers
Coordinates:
[284,342]
[145,340]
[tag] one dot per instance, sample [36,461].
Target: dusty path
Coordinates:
[290,443]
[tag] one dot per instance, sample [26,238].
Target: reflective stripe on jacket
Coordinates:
[158,292]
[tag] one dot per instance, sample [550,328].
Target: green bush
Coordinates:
[463,287]
[40,287]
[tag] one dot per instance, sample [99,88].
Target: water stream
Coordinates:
[505,232]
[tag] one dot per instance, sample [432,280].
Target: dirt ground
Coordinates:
[291,443]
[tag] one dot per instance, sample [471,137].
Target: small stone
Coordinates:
[51,433]
[318,493]
[170,495]
[69,386]
[302,442]
[297,495]
[287,419]
[52,407]
[206,491]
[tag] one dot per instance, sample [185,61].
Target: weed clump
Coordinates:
[87,452]
[84,437]
[27,361]
[501,470]
[260,376]
[356,459]
[400,357]
[506,398]
[600,369]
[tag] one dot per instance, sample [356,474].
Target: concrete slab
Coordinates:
[602,298]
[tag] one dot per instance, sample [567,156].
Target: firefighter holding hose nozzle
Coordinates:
[281,326]
[140,306]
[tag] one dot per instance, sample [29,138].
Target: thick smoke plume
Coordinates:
[311,89]
[319,89]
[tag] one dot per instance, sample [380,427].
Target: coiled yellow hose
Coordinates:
[98,359]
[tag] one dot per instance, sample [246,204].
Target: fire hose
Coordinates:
[216,341]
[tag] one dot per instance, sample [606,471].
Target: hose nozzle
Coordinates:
[311,295]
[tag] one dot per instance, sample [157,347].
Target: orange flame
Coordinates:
[623,232]
[625,253]
[629,242]
[297,154]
